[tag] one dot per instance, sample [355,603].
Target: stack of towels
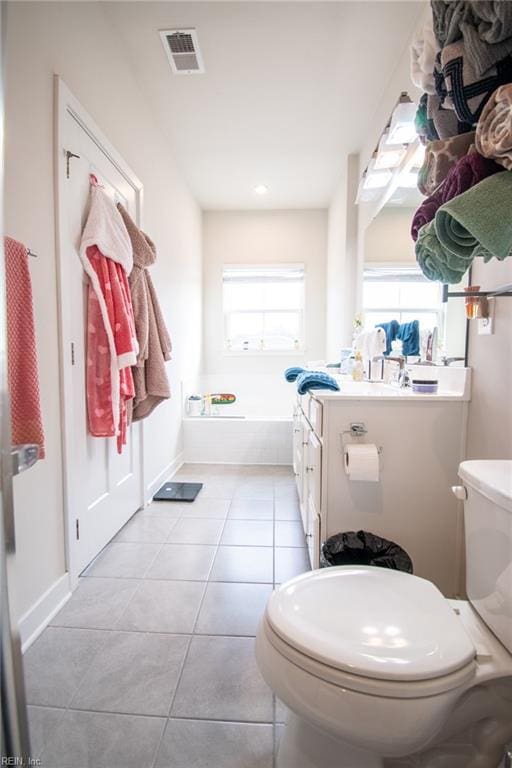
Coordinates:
[462,60]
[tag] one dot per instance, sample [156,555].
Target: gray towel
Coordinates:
[487,33]
[447,17]
[484,25]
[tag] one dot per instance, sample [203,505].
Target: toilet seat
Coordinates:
[358,683]
[372,629]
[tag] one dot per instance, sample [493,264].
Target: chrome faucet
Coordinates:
[403,374]
[449,360]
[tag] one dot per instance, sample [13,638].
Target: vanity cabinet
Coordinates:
[421,441]
[307,466]
[313,482]
[299,426]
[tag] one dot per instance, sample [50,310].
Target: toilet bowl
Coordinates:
[375,663]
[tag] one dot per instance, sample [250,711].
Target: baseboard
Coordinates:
[163,475]
[37,618]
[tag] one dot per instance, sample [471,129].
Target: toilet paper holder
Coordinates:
[357,430]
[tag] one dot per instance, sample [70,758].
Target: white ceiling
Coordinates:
[289,90]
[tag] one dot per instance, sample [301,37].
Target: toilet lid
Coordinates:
[370,621]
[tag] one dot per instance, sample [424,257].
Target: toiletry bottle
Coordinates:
[358,369]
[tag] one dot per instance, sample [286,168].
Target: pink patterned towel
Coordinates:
[112,347]
[26,421]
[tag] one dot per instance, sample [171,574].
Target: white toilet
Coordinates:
[376,664]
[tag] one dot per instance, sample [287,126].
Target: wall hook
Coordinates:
[69,155]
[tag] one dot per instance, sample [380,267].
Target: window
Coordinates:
[263,307]
[403,294]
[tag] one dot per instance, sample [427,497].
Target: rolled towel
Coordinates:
[436,262]
[478,220]
[426,212]
[440,156]
[467,91]
[466,172]
[445,121]
[485,26]
[447,16]
[291,374]
[316,380]
[494,129]
[424,125]
[487,33]
[424,48]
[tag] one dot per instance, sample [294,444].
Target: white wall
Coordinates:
[490,409]
[263,237]
[341,260]
[388,236]
[77,41]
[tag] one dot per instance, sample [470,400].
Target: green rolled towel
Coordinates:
[436,262]
[478,222]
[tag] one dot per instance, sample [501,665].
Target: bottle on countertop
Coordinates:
[358,368]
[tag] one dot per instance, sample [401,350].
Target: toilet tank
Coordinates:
[488,534]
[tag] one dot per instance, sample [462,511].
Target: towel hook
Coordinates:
[69,155]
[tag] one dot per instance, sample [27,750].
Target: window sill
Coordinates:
[263,353]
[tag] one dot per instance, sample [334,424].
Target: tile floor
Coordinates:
[151,662]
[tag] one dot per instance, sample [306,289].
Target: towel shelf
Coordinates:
[505,290]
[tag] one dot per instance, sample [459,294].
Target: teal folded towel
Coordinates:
[291,373]
[478,219]
[315,380]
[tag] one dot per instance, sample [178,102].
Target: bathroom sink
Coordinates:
[454,384]
[371,388]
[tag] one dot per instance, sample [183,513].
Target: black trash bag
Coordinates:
[364,548]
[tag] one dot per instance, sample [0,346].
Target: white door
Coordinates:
[103,488]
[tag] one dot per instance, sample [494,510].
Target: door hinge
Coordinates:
[72,353]
[77,526]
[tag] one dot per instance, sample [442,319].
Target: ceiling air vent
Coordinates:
[182,49]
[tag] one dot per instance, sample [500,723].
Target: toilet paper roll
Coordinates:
[362,462]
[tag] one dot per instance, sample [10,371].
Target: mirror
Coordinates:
[394,287]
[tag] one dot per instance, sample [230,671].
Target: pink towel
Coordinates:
[114,283]
[106,254]
[26,421]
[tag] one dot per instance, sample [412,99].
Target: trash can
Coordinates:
[364,548]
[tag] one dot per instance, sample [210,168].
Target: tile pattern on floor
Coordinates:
[151,662]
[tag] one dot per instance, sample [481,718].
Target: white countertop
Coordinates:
[454,385]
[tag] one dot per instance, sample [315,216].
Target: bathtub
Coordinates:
[257,429]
